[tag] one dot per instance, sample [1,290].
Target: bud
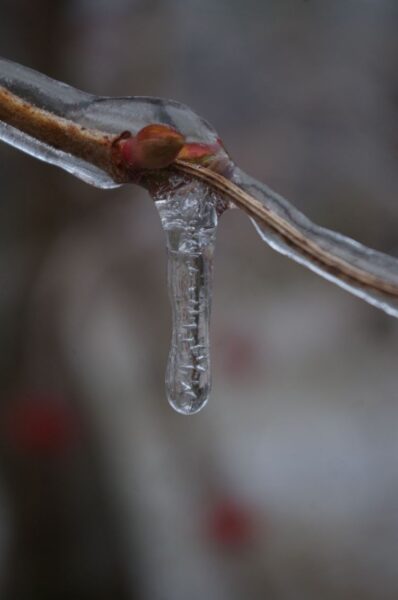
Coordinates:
[213,156]
[154,147]
[197,152]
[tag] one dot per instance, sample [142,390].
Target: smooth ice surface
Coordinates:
[72,164]
[354,253]
[189,219]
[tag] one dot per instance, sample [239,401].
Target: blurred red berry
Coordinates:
[38,424]
[231,524]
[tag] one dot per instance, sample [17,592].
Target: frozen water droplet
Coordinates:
[189,219]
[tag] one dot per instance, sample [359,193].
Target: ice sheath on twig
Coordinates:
[165,146]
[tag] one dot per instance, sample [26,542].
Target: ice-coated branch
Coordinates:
[166,147]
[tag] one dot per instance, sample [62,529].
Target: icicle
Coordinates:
[189,218]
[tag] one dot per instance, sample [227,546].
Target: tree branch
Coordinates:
[109,153]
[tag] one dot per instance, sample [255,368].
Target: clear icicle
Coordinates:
[189,219]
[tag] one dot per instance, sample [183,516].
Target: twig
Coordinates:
[103,150]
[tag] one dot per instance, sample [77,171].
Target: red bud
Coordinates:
[196,152]
[154,147]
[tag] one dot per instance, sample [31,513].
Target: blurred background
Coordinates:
[286,485]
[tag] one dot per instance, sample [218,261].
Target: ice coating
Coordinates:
[189,218]
[353,253]
[82,169]
[106,115]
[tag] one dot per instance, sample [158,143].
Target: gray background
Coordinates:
[286,485]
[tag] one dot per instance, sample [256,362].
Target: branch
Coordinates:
[154,152]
